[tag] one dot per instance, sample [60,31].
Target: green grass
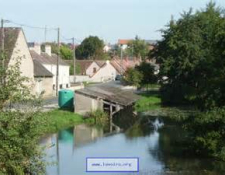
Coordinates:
[151,86]
[56,120]
[149,101]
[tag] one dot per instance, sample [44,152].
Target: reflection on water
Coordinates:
[146,139]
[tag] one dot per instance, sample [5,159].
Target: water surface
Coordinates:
[154,147]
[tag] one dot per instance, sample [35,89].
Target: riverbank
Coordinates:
[150,100]
[57,119]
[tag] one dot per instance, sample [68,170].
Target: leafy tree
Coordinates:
[91,47]
[147,70]
[138,48]
[19,150]
[66,53]
[132,77]
[191,56]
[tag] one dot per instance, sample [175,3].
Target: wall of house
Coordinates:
[64,77]
[80,79]
[84,104]
[44,84]
[107,72]
[22,52]
[90,69]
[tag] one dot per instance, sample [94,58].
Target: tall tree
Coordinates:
[191,55]
[90,48]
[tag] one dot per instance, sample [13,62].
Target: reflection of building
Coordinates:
[84,134]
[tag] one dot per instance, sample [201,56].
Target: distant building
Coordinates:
[124,43]
[107,48]
[94,71]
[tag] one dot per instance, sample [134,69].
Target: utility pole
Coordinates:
[74,60]
[3,43]
[57,66]
[45,34]
[121,59]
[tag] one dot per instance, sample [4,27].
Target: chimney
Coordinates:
[48,50]
[35,47]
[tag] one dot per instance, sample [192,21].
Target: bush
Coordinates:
[133,77]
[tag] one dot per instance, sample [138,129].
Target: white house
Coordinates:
[49,61]
[43,80]
[105,73]
[94,71]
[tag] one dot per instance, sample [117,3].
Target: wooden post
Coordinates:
[110,118]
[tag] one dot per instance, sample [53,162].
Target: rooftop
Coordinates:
[111,94]
[44,58]
[41,71]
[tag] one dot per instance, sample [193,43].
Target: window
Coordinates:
[53,86]
[60,86]
[94,70]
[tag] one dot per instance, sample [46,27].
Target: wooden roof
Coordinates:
[110,94]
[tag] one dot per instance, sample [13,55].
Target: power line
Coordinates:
[30,26]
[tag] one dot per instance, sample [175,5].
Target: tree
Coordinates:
[191,56]
[138,48]
[147,70]
[132,77]
[91,47]
[19,150]
[65,52]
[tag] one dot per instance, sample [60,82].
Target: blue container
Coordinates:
[65,99]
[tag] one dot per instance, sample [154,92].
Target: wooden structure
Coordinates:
[106,98]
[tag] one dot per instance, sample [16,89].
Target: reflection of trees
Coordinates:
[141,128]
[125,118]
[172,150]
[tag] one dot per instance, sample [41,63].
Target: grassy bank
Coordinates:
[56,120]
[149,101]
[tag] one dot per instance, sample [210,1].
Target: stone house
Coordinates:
[16,49]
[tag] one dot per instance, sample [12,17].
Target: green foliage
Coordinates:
[148,101]
[138,48]
[132,77]
[208,132]
[91,47]
[56,120]
[13,88]
[78,70]
[147,70]
[191,54]
[66,53]
[19,150]
[100,117]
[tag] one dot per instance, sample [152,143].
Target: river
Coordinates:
[151,141]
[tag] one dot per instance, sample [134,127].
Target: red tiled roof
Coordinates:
[124,41]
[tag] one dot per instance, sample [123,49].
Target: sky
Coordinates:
[110,20]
